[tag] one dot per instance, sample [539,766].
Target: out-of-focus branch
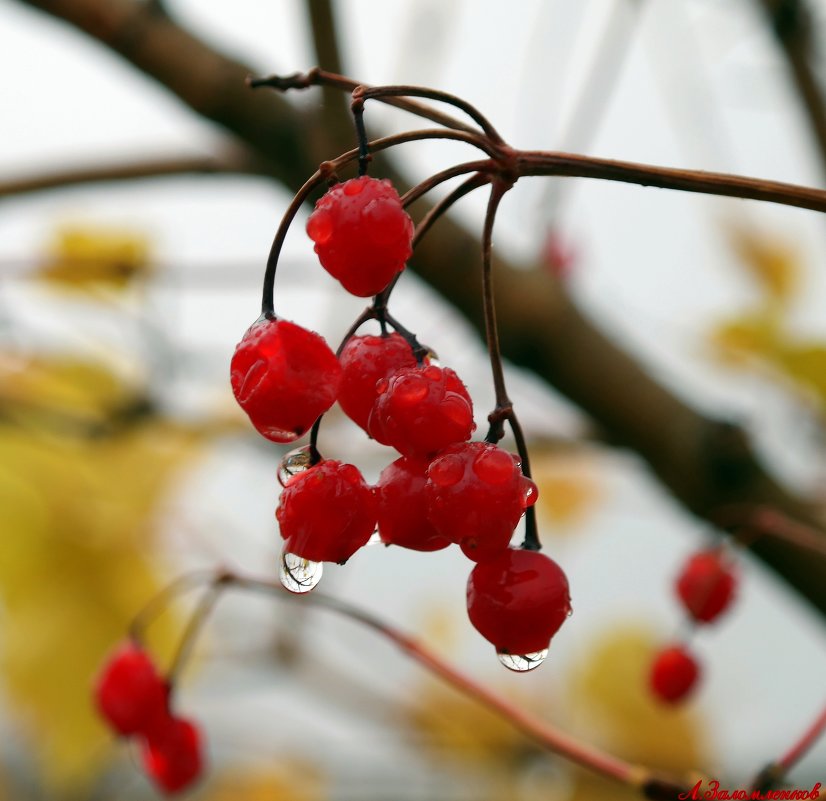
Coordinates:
[236,162]
[792,23]
[706,464]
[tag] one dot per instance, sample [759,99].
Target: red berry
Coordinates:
[518,600]
[402,514]
[365,360]
[706,585]
[284,377]
[475,496]
[130,693]
[362,234]
[327,512]
[172,756]
[674,674]
[420,410]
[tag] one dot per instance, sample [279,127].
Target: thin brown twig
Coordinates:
[749,523]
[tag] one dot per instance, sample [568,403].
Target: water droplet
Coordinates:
[432,358]
[298,574]
[521,663]
[375,538]
[293,463]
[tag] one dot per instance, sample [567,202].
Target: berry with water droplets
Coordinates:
[402,514]
[327,512]
[674,674]
[284,377]
[420,410]
[706,585]
[518,600]
[362,234]
[130,693]
[172,756]
[475,495]
[366,360]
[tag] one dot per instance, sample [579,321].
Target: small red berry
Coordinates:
[518,600]
[402,514]
[172,756]
[475,495]
[674,674]
[420,410]
[327,512]
[362,234]
[284,377]
[130,693]
[706,585]
[365,360]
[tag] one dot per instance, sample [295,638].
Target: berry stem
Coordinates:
[357,107]
[531,541]
[751,522]
[474,182]
[412,195]
[384,92]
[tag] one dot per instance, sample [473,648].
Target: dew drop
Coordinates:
[293,463]
[375,538]
[298,574]
[522,663]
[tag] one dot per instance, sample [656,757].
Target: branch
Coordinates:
[235,162]
[706,464]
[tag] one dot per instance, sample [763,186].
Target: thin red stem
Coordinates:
[800,748]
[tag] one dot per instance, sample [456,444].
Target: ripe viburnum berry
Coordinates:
[674,674]
[402,514]
[475,495]
[130,693]
[172,756]
[284,377]
[518,600]
[420,410]
[362,234]
[365,360]
[706,585]
[327,512]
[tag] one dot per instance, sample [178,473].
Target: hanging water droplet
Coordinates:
[293,463]
[521,663]
[375,538]
[298,574]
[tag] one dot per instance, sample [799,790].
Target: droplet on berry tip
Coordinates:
[296,461]
[299,575]
[522,663]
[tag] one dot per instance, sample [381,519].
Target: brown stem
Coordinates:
[206,603]
[412,195]
[436,211]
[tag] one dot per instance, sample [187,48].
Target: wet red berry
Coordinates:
[674,674]
[475,495]
[362,234]
[284,377]
[402,514]
[172,756]
[327,512]
[518,600]
[130,693]
[706,585]
[420,410]
[365,360]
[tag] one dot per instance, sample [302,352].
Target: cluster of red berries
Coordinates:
[705,587]
[443,490]
[133,698]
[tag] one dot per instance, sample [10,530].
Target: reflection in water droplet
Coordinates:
[521,663]
[299,575]
[375,538]
[293,463]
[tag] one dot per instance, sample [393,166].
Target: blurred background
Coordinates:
[124,461]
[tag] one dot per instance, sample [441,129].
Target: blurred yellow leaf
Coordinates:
[772,261]
[747,337]
[284,780]
[805,364]
[83,257]
[78,557]
[609,688]
[568,487]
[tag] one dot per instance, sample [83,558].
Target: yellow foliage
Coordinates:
[772,261]
[83,257]
[77,560]
[283,781]
[610,690]
[747,337]
[568,488]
